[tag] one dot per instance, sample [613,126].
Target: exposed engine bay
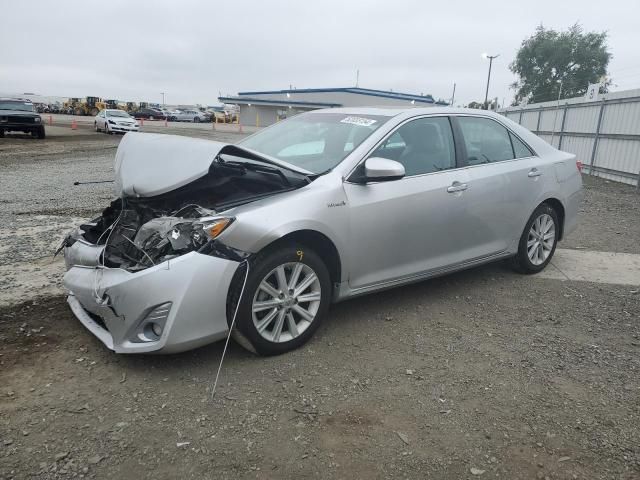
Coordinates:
[139,232]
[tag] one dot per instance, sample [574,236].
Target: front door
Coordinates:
[416,224]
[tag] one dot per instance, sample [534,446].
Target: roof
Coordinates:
[286,103]
[414,110]
[357,90]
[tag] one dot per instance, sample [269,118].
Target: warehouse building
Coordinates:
[267,107]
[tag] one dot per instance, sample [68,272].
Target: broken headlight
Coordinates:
[172,236]
[203,230]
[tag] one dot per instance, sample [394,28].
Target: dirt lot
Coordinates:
[482,374]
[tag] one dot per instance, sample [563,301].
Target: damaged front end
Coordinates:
[150,274]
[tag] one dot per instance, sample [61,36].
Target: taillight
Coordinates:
[579,165]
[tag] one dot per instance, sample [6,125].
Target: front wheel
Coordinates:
[287,293]
[538,241]
[196,120]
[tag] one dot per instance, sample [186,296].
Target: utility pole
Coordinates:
[486,94]
[357,77]
[555,117]
[453,95]
[162,93]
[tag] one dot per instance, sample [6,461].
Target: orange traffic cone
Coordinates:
[74,124]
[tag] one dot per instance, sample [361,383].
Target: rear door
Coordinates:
[505,182]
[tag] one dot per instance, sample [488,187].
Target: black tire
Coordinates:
[95,124]
[1,133]
[521,262]
[196,119]
[41,133]
[245,332]
[172,119]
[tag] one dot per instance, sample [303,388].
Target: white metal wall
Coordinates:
[604,134]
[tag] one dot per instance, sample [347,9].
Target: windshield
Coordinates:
[117,113]
[316,142]
[14,105]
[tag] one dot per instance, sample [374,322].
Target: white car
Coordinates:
[115,121]
[188,116]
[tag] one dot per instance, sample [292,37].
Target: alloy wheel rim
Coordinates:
[286,302]
[541,239]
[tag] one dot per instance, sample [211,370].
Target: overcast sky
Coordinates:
[133,50]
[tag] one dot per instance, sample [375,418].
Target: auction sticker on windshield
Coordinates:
[364,122]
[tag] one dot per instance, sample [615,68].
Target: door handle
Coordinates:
[457,187]
[534,172]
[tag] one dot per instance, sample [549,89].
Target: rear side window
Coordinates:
[519,148]
[486,141]
[423,146]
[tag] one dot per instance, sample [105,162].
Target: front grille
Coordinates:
[20,119]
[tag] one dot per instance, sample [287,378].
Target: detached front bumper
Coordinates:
[171,307]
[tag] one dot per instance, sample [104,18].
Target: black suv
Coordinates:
[20,116]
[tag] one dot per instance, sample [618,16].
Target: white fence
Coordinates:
[603,133]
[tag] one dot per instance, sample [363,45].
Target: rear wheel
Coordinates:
[1,133]
[196,120]
[286,295]
[538,241]
[40,133]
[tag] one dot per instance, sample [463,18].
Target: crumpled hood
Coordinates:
[150,164]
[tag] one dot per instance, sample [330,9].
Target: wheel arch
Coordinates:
[560,211]
[319,243]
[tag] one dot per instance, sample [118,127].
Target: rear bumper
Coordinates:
[185,296]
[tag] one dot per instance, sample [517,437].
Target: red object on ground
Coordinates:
[74,125]
[50,120]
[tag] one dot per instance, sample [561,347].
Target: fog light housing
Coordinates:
[151,327]
[156,329]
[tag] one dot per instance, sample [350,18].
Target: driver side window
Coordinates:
[423,146]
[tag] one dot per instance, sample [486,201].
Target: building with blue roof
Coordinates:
[262,108]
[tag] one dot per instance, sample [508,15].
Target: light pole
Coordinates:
[162,93]
[486,94]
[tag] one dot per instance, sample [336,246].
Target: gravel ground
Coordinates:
[481,374]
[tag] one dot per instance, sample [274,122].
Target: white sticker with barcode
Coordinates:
[364,122]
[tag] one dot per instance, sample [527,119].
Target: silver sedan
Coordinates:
[115,121]
[195,116]
[258,239]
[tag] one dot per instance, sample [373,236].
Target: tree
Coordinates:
[480,105]
[548,57]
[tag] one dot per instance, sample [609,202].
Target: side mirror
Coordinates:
[379,169]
